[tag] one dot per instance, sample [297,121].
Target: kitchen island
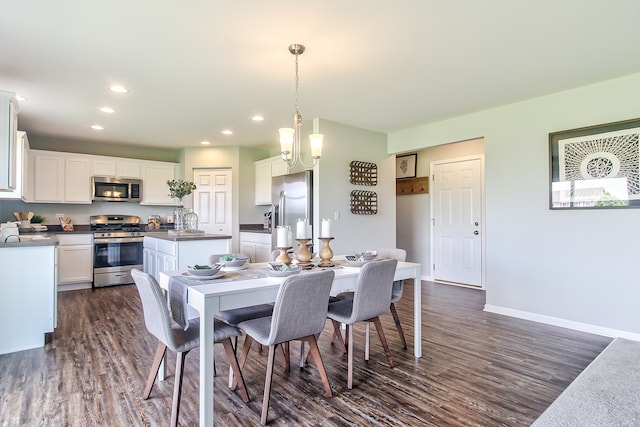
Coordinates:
[166,251]
[28,294]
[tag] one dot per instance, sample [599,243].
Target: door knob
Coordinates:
[476,232]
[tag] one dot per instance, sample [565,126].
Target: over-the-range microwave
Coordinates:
[107,189]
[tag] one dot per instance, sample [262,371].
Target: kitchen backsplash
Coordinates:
[80,214]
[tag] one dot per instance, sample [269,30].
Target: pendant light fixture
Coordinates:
[290,137]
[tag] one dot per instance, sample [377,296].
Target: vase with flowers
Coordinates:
[178,188]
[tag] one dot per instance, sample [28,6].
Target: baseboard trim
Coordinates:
[73,286]
[564,323]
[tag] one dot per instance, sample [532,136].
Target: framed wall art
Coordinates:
[596,167]
[406,166]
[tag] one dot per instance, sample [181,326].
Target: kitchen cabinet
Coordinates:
[8,141]
[164,252]
[264,171]
[155,175]
[21,155]
[57,178]
[27,296]
[75,261]
[256,245]
[115,167]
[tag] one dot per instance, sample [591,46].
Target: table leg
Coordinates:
[417,314]
[206,370]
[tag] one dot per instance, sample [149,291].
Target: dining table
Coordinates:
[253,284]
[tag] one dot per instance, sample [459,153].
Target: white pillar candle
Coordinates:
[301,229]
[325,229]
[281,240]
[309,232]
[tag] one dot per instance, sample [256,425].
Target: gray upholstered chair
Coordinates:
[299,313]
[396,293]
[371,299]
[180,337]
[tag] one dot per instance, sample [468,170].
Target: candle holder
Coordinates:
[326,253]
[283,257]
[303,255]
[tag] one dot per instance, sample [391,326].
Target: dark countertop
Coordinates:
[254,228]
[165,235]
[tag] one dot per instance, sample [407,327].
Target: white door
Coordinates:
[212,200]
[457,221]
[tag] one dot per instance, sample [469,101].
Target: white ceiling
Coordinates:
[196,67]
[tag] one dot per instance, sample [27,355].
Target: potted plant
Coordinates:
[178,188]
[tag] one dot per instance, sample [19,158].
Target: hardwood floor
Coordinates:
[477,369]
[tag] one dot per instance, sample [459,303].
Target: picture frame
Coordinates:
[406,166]
[596,167]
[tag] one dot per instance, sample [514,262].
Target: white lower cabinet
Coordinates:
[75,261]
[256,245]
[27,296]
[174,254]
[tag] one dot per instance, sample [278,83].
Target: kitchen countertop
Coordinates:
[254,228]
[31,239]
[165,235]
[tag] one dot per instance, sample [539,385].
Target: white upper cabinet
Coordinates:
[115,167]
[155,175]
[21,158]
[58,178]
[264,171]
[8,141]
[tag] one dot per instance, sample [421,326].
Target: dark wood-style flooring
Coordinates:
[477,369]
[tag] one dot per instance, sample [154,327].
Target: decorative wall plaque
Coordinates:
[363,173]
[364,202]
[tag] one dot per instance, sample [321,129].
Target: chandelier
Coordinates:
[290,137]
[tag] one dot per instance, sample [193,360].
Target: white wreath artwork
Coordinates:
[598,158]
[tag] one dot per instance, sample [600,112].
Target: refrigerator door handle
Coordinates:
[281,207]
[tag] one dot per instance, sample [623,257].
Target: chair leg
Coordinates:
[267,385]
[338,335]
[366,341]
[177,388]
[287,356]
[350,357]
[396,319]
[315,352]
[237,373]
[155,366]
[242,360]
[383,340]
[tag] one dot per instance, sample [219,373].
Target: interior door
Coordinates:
[212,200]
[457,221]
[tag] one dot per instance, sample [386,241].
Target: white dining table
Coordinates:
[214,296]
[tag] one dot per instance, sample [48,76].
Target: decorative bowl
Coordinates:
[356,261]
[367,255]
[280,269]
[232,260]
[204,270]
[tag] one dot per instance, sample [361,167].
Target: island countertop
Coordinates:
[181,237]
[28,240]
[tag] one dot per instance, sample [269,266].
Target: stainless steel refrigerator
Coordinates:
[291,199]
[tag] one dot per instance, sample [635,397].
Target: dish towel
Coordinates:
[178,302]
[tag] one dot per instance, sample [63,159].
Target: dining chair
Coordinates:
[396,294]
[180,335]
[299,313]
[371,299]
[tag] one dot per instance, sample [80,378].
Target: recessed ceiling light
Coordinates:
[107,110]
[119,89]
[21,98]
[205,142]
[227,132]
[97,127]
[257,118]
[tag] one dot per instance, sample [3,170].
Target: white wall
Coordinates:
[576,267]
[353,233]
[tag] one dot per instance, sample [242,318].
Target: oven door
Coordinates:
[113,259]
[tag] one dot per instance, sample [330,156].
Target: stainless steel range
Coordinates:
[117,248]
